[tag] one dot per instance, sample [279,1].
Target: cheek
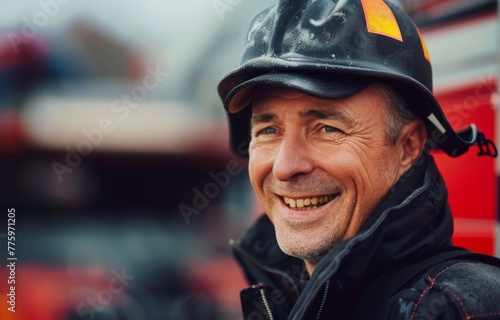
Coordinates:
[364,172]
[253,174]
[380,175]
[258,172]
[259,167]
[385,164]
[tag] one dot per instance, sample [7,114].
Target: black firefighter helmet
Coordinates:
[333,49]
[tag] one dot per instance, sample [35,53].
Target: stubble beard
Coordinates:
[311,251]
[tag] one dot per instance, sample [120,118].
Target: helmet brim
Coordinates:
[330,87]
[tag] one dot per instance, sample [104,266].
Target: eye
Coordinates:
[268,130]
[328,129]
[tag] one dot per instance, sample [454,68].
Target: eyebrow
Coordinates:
[327,114]
[262,118]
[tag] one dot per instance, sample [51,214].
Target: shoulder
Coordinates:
[449,290]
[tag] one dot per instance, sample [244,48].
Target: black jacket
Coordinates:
[412,220]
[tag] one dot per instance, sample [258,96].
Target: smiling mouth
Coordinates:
[308,203]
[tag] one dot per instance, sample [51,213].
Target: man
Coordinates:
[333,106]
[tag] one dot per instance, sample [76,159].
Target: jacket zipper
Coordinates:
[323,301]
[278,272]
[264,302]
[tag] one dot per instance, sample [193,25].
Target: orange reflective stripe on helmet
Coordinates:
[380,19]
[424,45]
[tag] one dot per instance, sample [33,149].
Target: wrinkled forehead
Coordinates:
[369,101]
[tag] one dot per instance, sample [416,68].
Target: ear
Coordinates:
[412,141]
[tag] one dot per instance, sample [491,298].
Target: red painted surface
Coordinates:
[471,180]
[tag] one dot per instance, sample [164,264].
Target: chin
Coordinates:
[304,247]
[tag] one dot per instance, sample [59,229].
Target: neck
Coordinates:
[310,266]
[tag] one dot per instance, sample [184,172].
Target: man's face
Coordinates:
[318,166]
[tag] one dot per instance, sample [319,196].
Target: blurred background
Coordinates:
[114,150]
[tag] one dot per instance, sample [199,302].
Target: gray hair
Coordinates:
[399,113]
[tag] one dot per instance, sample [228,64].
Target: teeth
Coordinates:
[307,203]
[300,203]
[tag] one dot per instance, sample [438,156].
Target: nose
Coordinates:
[293,159]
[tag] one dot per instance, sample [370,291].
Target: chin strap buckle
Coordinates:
[486,146]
